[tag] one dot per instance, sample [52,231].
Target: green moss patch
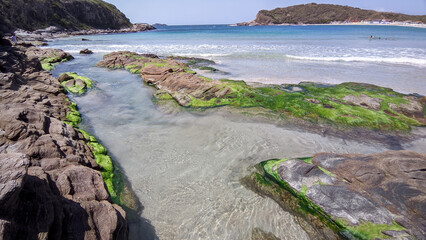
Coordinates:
[112,176]
[315,103]
[77,88]
[73,115]
[368,230]
[49,63]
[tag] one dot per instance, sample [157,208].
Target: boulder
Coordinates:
[86,51]
[64,77]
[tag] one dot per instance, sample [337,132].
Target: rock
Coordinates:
[298,174]
[85,39]
[86,51]
[363,101]
[64,77]
[380,188]
[13,168]
[80,83]
[168,75]
[50,183]
[413,108]
[70,83]
[48,57]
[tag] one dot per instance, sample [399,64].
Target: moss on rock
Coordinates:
[76,84]
[73,115]
[346,104]
[52,58]
[364,230]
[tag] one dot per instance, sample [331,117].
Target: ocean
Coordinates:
[186,167]
[395,58]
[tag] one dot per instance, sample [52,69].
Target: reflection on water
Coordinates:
[186,168]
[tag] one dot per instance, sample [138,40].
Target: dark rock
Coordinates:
[86,51]
[50,186]
[13,168]
[85,39]
[64,77]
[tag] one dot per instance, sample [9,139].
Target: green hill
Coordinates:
[326,13]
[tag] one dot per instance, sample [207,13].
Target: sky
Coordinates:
[182,12]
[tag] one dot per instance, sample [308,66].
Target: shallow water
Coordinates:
[185,168]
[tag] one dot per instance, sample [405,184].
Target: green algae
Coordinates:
[48,66]
[49,63]
[112,176]
[364,231]
[74,115]
[89,83]
[367,230]
[312,102]
[77,88]
[330,107]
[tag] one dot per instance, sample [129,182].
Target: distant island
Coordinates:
[328,13]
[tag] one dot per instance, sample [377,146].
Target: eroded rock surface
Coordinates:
[168,75]
[50,183]
[384,191]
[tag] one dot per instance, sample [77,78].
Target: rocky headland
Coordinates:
[358,196]
[46,19]
[65,14]
[325,13]
[52,174]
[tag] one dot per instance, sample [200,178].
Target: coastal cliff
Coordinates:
[67,14]
[51,186]
[325,13]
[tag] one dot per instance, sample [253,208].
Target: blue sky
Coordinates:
[233,11]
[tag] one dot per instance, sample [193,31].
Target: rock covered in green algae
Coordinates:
[48,57]
[75,83]
[350,104]
[370,196]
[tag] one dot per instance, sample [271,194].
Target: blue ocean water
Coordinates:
[395,58]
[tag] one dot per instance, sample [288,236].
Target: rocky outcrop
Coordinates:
[324,13]
[50,184]
[48,57]
[66,14]
[86,51]
[39,36]
[168,75]
[74,83]
[350,104]
[368,196]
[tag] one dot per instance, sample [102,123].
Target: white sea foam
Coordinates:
[400,60]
